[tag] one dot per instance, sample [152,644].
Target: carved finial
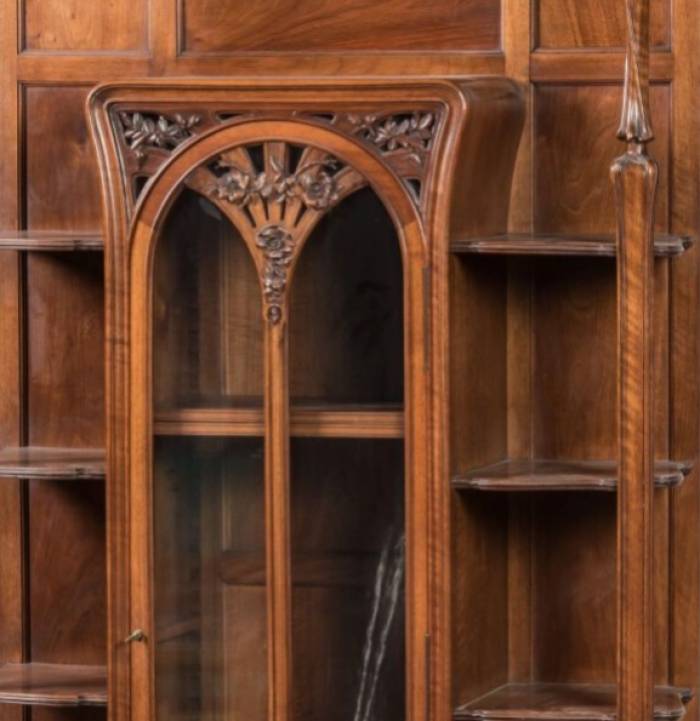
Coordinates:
[635,124]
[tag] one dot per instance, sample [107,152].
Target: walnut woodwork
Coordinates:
[533,475]
[665,246]
[273,162]
[558,702]
[46,684]
[52,463]
[541,388]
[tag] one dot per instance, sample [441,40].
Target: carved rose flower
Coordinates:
[275,241]
[235,186]
[277,246]
[318,189]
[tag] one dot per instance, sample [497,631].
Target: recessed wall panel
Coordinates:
[575,143]
[84,25]
[565,24]
[338,25]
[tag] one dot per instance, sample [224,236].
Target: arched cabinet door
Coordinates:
[270,375]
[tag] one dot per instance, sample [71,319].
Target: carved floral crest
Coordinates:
[313,183]
[275,204]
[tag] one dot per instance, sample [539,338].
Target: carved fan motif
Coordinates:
[275,203]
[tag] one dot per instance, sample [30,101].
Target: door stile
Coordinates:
[277,519]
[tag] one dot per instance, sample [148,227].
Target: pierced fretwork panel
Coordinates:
[404,140]
[147,138]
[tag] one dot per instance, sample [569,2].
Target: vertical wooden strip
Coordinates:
[162,34]
[12,602]
[634,177]
[685,353]
[518,43]
[277,515]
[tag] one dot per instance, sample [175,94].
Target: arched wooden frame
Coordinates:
[157,199]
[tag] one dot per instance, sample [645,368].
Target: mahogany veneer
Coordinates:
[665,246]
[51,240]
[564,702]
[547,475]
[50,684]
[64,464]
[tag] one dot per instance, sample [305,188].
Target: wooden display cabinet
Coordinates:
[269,320]
[395,430]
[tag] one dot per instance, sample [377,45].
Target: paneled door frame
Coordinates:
[361,168]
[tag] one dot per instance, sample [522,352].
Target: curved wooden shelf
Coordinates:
[544,475]
[331,421]
[665,246]
[564,702]
[51,684]
[61,464]
[51,240]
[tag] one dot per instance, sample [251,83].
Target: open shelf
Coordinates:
[543,475]
[562,701]
[61,464]
[552,244]
[51,684]
[51,240]
[341,421]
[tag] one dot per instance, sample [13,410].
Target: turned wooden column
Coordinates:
[634,176]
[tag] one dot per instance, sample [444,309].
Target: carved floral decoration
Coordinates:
[411,133]
[143,131]
[313,183]
[277,246]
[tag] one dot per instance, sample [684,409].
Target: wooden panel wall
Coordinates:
[567,53]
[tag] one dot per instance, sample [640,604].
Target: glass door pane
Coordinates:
[208,497]
[347,478]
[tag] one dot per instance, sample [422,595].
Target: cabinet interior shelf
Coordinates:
[551,244]
[51,240]
[564,702]
[548,475]
[328,421]
[51,684]
[53,463]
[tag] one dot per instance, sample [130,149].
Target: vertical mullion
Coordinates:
[277,515]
